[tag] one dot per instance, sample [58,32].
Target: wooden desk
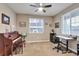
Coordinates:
[65,38]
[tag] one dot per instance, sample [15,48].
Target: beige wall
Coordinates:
[32,37]
[6,10]
[73,43]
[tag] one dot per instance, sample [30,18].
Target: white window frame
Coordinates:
[32,27]
[71,14]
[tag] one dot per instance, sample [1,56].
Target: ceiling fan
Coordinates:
[40,7]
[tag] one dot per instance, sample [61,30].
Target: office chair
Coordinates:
[58,46]
[56,42]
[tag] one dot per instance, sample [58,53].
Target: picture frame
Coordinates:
[50,25]
[22,24]
[5,19]
[57,25]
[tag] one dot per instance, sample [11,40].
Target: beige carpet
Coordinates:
[42,49]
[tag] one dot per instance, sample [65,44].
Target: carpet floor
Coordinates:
[42,49]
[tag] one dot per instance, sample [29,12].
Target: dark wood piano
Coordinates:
[9,42]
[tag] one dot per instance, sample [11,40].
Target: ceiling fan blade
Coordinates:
[36,10]
[46,6]
[42,10]
[33,5]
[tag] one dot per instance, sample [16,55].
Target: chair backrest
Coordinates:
[56,39]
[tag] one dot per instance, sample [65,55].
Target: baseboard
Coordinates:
[37,41]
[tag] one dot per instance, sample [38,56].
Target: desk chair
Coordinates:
[58,46]
[56,43]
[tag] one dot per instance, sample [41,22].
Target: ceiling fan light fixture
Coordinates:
[40,9]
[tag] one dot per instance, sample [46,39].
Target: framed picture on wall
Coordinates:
[5,19]
[50,25]
[22,24]
[57,25]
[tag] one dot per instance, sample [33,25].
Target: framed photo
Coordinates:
[57,25]
[50,25]
[5,19]
[22,24]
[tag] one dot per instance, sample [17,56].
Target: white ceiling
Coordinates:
[24,8]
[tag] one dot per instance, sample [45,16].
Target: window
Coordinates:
[65,23]
[75,23]
[36,25]
[70,23]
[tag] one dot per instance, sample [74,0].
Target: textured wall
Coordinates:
[6,10]
[35,36]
